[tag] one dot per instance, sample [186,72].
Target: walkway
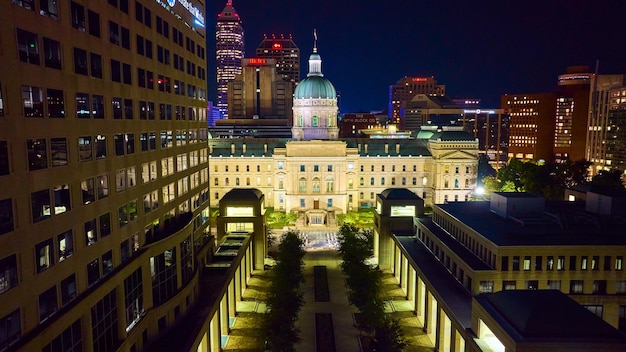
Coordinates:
[246,335]
[346,335]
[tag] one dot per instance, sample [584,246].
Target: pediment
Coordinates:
[457,154]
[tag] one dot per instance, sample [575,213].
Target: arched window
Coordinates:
[315,121]
[371,181]
[330,184]
[281,184]
[456,183]
[382,181]
[226,181]
[247,181]
[300,121]
[217,182]
[316,185]
[446,184]
[361,181]
[302,185]
[237,181]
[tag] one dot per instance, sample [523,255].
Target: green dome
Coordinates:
[315,87]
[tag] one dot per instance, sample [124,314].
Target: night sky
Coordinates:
[478,49]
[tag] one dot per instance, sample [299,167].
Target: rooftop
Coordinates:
[564,223]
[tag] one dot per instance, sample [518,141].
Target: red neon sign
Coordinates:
[257,61]
[277,46]
[419,79]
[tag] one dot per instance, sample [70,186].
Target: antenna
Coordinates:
[315,40]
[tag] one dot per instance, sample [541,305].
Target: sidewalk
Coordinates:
[345,333]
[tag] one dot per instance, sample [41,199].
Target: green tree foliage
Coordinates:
[388,338]
[365,286]
[491,184]
[549,180]
[608,181]
[285,299]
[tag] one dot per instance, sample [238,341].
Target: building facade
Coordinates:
[601,106]
[230,50]
[259,92]
[495,275]
[103,172]
[616,132]
[531,126]
[572,113]
[286,53]
[405,90]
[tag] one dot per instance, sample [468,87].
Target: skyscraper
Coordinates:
[572,112]
[406,89]
[532,125]
[103,172]
[229,44]
[286,53]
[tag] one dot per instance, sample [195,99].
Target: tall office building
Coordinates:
[406,89]
[597,132]
[286,53]
[531,127]
[572,112]
[260,93]
[616,131]
[229,45]
[103,172]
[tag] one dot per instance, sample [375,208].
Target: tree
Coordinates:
[285,299]
[491,184]
[388,337]
[484,168]
[608,181]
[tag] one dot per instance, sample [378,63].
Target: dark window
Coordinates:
[124,6]
[68,289]
[49,8]
[55,103]
[116,71]
[163,276]
[93,272]
[10,329]
[166,29]
[125,38]
[80,61]
[133,296]
[138,11]
[104,324]
[118,142]
[505,264]
[48,303]
[37,154]
[114,33]
[127,74]
[70,340]
[96,65]
[516,263]
[149,80]
[58,151]
[45,255]
[105,224]
[141,77]
[599,287]
[538,263]
[8,274]
[6,220]
[149,49]
[65,245]
[82,105]
[94,23]
[1,103]
[117,108]
[52,53]
[78,16]
[97,106]
[572,262]
[147,17]
[128,109]
[107,263]
[140,45]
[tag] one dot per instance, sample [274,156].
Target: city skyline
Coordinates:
[478,50]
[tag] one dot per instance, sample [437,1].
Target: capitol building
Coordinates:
[320,176]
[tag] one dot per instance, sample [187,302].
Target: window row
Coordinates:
[560,263]
[575,286]
[404,168]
